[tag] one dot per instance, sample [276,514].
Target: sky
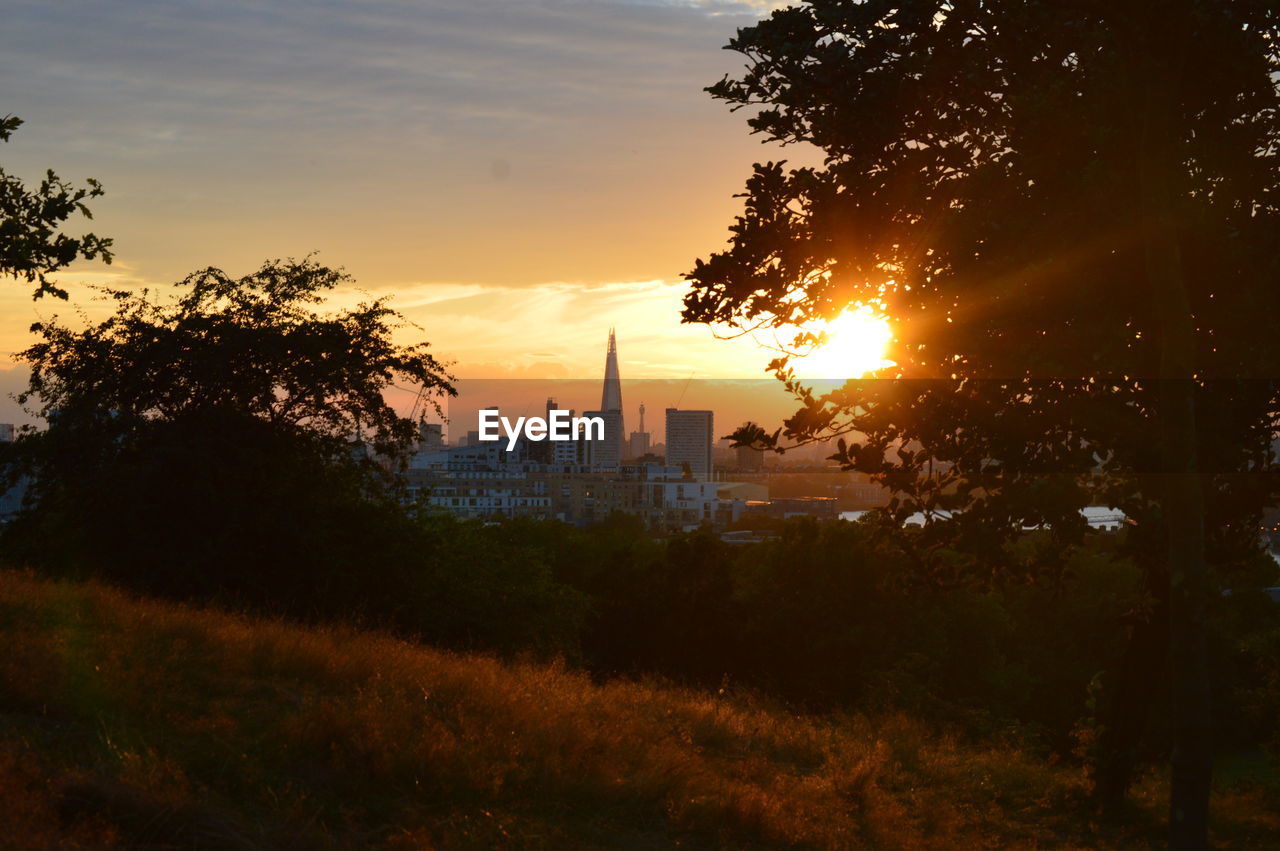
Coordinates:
[520,175]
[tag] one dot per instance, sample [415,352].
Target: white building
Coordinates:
[697,501]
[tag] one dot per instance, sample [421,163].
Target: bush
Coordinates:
[246,517]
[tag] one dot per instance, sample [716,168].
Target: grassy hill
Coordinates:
[130,723]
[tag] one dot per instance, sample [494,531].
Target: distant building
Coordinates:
[610,455]
[571,452]
[747,536]
[689,441]
[430,437]
[638,446]
[587,479]
[11,499]
[824,507]
[1103,518]
[480,491]
[753,491]
[606,454]
[683,504]
[857,490]
[750,460]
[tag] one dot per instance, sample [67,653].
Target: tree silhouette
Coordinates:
[254,346]
[1069,211]
[30,245]
[213,434]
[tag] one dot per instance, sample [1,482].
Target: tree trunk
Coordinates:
[1192,762]
[1183,507]
[1160,173]
[1141,678]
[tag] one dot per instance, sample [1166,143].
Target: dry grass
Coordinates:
[141,723]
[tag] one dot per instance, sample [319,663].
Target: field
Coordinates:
[134,723]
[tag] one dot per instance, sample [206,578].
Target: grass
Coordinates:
[134,723]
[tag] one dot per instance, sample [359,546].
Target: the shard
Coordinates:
[611,397]
[610,453]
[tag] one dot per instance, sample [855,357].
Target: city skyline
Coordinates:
[734,401]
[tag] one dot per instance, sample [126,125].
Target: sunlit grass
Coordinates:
[140,722]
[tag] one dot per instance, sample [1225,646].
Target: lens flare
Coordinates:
[856,343]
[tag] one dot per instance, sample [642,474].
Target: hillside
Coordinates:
[130,723]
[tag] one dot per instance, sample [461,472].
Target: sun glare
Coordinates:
[857,341]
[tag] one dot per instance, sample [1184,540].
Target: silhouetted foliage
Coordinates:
[1069,209]
[30,245]
[832,616]
[206,446]
[252,347]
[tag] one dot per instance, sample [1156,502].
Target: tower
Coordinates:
[610,452]
[611,397]
[639,445]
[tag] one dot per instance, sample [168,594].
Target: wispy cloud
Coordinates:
[495,145]
[488,140]
[558,329]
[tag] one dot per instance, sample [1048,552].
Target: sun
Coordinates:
[856,343]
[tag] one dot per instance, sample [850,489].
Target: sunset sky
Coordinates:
[521,175]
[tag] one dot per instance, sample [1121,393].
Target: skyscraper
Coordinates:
[606,453]
[609,453]
[611,397]
[689,439]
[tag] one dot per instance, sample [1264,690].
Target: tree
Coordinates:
[1069,210]
[30,245]
[215,442]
